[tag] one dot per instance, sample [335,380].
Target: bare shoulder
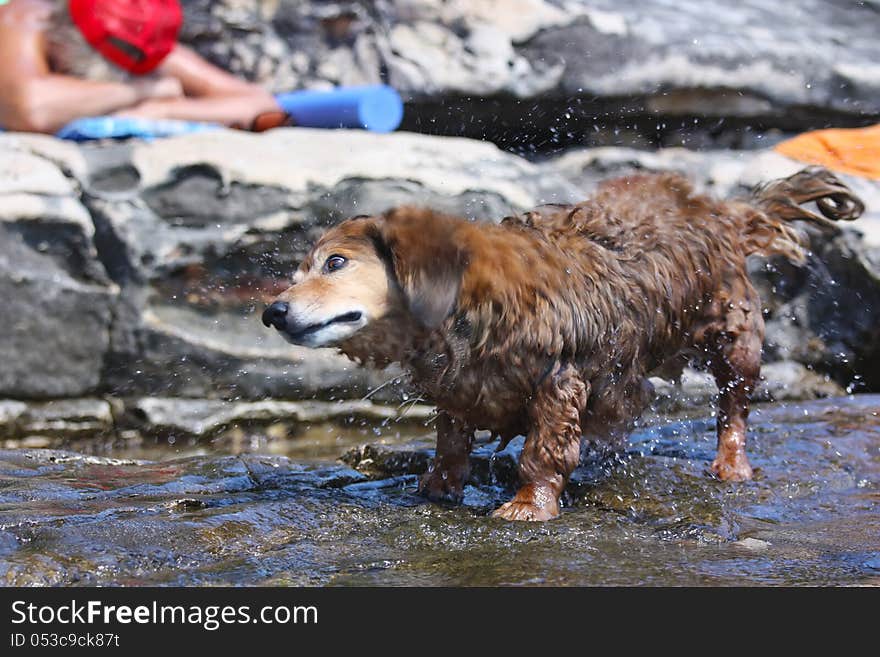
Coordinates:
[23,25]
[25,15]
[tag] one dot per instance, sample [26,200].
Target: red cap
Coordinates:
[136,35]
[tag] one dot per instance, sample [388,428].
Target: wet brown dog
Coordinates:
[549,323]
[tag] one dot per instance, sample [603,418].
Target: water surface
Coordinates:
[252,510]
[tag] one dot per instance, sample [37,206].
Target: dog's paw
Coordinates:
[736,468]
[532,502]
[523,511]
[442,486]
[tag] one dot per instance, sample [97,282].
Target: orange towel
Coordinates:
[855,151]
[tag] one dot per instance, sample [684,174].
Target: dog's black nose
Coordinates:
[276,315]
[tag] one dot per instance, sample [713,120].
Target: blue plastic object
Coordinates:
[377,108]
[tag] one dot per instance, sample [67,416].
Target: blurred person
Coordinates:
[61,60]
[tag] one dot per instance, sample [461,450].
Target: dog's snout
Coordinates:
[276,315]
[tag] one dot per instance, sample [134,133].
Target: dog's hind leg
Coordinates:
[447,475]
[552,448]
[733,346]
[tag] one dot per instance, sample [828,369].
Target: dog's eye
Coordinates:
[333,263]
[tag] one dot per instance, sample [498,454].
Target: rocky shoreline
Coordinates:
[102,424]
[138,269]
[537,75]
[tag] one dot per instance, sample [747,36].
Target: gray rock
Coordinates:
[102,424]
[49,357]
[780,381]
[202,418]
[658,48]
[567,71]
[41,203]
[56,298]
[753,544]
[836,311]
[10,412]
[49,423]
[68,418]
[792,381]
[381,461]
[58,423]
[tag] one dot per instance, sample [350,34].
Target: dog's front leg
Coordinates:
[447,475]
[552,448]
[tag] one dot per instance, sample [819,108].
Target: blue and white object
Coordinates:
[112,127]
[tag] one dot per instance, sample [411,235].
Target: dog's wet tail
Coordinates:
[782,198]
[768,231]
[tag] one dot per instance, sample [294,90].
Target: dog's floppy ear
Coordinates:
[427,262]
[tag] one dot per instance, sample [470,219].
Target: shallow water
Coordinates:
[249,510]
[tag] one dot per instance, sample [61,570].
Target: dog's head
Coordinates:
[367,269]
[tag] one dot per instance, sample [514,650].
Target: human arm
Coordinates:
[35,99]
[211,94]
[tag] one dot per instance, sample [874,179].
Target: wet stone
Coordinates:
[647,515]
[468,67]
[781,381]
[200,418]
[68,418]
[10,412]
[752,544]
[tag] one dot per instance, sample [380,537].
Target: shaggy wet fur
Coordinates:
[549,323]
